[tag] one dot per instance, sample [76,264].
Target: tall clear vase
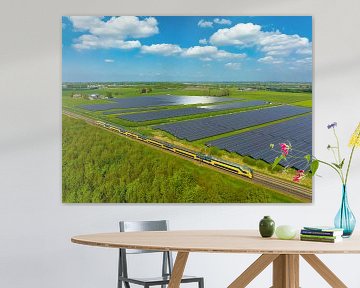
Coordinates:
[345,219]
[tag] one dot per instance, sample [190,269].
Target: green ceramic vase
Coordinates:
[267,227]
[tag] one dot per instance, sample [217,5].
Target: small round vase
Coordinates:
[266,227]
[345,219]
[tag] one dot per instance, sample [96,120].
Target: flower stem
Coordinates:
[338,145]
[338,150]
[337,170]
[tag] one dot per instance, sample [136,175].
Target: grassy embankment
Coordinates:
[101,167]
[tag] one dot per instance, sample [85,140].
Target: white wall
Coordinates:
[35,227]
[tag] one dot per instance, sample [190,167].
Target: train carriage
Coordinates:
[219,163]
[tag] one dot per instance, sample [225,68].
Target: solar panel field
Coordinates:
[255,143]
[208,129]
[155,115]
[202,128]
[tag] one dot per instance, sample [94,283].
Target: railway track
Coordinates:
[282,186]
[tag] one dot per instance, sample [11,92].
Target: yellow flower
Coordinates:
[355,138]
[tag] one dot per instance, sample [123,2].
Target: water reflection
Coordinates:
[189,100]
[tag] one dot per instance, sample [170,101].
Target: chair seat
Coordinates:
[158,280]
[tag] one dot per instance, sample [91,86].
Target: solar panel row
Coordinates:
[155,115]
[256,143]
[206,127]
[158,100]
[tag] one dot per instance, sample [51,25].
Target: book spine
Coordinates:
[318,239]
[319,236]
[319,233]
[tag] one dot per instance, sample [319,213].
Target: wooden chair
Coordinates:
[167,263]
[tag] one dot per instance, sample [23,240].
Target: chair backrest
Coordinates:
[133,226]
[138,226]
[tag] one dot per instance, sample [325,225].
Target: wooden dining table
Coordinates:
[283,254]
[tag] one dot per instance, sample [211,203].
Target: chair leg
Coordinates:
[201,283]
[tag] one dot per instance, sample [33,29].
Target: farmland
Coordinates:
[120,104]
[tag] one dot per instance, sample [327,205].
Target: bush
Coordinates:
[249,160]
[261,164]
[214,151]
[276,169]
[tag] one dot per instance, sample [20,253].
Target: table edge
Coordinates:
[203,250]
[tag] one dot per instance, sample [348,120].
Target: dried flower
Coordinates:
[355,138]
[332,125]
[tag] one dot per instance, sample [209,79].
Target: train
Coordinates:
[219,163]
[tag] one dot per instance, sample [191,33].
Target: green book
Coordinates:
[321,239]
[319,236]
[324,229]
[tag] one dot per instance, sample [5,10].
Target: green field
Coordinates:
[306,103]
[101,167]
[298,94]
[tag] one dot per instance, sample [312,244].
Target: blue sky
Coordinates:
[196,49]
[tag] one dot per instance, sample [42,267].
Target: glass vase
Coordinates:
[345,219]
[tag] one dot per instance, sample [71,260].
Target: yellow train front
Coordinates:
[231,167]
[244,171]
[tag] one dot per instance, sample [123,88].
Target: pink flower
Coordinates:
[300,174]
[284,149]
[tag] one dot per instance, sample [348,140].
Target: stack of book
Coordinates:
[321,234]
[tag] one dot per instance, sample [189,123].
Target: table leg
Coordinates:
[324,271]
[253,270]
[286,271]
[178,269]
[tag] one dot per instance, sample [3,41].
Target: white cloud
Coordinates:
[209,24]
[86,42]
[122,26]
[221,54]
[205,24]
[305,51]
[222,21]
[233,66]
[208,53]
[307,61]
[162,49]
[85,23]
[284,44]
[204,53]
[270,60]
[200,51]
[273,44]
[112,33]
[203,41]
[241,35]
[109,60]
[266,59]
